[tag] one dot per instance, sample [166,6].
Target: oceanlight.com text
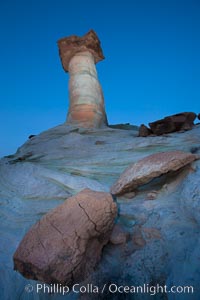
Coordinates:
[112,288]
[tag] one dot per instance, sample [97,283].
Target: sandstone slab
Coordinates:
[149,168]
[177,122]
[66,244]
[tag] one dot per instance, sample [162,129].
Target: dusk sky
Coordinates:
[151,67]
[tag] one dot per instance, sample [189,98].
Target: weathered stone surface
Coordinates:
[190,194]
[152,195]
[65,245]
[78,56]
[118,235]
[86,97]
[151,234]
[143,235]
[150,167]
[137,237]
[130,195]
[126,126]
[70,153]
[177,122]
[144,131]
[69,46]
[162,126]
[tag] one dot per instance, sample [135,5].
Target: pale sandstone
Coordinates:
[149,168]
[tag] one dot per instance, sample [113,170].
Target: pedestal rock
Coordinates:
[78,56]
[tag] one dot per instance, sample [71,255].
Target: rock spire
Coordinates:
[79,56]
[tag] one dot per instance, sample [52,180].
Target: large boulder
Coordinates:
[66,244]
[149,168]
[177,122]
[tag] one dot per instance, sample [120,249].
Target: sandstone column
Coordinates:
[79,56]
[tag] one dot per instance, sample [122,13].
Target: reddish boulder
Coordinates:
[66,244]
[181,121]
[69,46]
[162,126]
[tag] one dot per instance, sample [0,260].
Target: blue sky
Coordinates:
[152,65]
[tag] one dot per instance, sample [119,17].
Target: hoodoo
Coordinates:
[79,56]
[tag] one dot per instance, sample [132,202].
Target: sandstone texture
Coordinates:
[118,235]
[144,131]
[163,235]
[181,121]
[152,195]
[149,168]
[78,56]
[66,244]
[69,46]
[178,122]
[86,107]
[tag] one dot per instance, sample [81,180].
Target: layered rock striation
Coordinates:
[79,56]
[153,240]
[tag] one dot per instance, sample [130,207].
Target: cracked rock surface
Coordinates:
[150,167]
[66,244]
[162,234]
